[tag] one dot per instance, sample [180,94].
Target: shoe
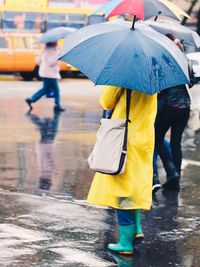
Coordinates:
[138,228]
[125,243]
[58,109]
[29,102]
[172,182]
[156,183]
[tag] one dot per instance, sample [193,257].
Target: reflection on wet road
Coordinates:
[43,150]
[44,155]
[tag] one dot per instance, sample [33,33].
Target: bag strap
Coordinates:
[124,147]
[128,102]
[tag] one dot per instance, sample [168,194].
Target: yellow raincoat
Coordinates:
[132,189]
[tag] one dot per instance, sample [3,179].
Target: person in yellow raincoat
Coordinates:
[131,191]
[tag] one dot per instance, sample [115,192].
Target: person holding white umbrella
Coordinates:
[49,71]
[49,68]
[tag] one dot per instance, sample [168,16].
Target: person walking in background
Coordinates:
[131,191]
[49,71]
[173,113]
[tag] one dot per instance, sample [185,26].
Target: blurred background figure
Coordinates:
[38,23]
[19,21]
[49,71]
[45,148]
[175,40]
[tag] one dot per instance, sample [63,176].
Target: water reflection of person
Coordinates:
[45,148]
[122,260]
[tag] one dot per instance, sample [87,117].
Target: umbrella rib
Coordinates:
[147,59]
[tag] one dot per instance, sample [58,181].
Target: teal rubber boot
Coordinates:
[138,228]
[125,243]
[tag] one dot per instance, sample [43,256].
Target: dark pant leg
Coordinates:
[164,120]
[155,165]
[54,86]
[41,92]
[155,156]
[176,135]
[125,217]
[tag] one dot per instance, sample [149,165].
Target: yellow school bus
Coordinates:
[21,24]
[41,15]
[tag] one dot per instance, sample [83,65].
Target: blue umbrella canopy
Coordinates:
[55,34]
[112,53]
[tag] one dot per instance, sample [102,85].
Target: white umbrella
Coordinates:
[183,33]
[55,34]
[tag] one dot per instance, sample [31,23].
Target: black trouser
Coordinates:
[176,119]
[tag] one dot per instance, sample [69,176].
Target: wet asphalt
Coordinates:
[44,181]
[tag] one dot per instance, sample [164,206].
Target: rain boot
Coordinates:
[173,177]
[125,243]
[138,228]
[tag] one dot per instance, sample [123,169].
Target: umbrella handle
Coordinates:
[133,24]
[156,17]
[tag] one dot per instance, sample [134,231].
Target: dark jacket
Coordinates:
[177,96]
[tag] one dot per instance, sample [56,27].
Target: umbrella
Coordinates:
[113,54]
[186,35]
[142,9]
[55,34]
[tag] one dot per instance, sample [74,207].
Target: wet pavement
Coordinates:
[44,180]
